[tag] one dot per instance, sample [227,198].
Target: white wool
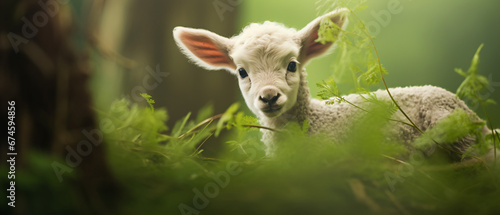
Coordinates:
[264,44]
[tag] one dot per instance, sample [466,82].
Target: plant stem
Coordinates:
[261,127]
[218,116]
[209,120]
[356,106]
[204,141]
[494,132]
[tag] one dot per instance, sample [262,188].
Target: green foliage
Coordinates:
[149,99]
[34,178]
[328,31]
[329,91]
[166,171]
[474,83]
[372,75]
[385,108]
[470,89]
[227,118]
[141,126]
[453,127]
[354,49]
[307,175]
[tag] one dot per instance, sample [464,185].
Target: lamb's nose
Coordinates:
[270,101]
[269,96]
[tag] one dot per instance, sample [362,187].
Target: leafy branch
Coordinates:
[470,88]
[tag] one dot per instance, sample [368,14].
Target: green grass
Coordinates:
[164,171]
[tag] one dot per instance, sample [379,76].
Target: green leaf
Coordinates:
[475,61]
[328,31]
[242,119]
[474,83]
[226,117]
[372,75]
[149,99]
[180,128]
[328,91]
[460,72]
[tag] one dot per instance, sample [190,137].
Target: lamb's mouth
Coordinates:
[272,111]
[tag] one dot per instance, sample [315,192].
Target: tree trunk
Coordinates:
[48,80]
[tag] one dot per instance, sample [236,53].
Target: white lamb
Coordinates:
[269,60]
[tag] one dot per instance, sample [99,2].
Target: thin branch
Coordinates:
[204,141]
[356,106]
[209,159]
[261,127]
[394,159]
[218,116]
[209,120]
[493,132]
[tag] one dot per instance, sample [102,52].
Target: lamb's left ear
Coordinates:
[309,34]
[206,49]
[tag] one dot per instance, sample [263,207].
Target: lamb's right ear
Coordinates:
[205,48]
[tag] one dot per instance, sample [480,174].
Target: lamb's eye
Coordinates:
[292,66]
[243,73]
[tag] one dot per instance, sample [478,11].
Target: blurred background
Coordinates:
[63,60]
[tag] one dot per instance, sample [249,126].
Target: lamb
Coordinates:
[269,60]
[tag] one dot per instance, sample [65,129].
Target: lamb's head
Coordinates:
[267,58]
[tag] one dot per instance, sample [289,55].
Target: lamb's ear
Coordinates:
[205,48]
[309,35]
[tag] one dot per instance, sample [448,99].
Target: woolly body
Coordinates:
[425,105]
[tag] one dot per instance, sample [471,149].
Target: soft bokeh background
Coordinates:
[421,42]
